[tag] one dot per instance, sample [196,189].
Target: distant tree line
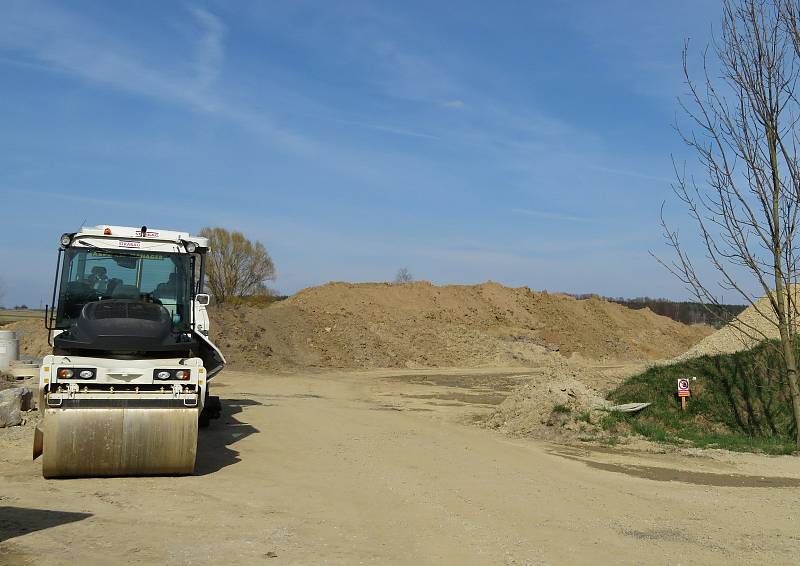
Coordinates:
[688,312]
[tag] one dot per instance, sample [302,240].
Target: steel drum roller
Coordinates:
[119,441]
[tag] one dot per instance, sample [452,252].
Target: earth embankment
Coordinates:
[370,325]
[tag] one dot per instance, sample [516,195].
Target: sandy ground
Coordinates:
[384,467]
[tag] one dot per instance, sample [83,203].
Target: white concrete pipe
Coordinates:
[9,349]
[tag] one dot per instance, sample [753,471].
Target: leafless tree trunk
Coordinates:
[743,128]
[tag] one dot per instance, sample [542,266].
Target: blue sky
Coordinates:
[521,142]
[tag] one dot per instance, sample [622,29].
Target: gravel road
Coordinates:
[384,467]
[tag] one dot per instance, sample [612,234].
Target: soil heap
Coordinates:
[753,325]
[370,325]
[553,405]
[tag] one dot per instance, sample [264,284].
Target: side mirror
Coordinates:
[202,299]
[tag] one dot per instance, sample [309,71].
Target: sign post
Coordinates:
[683,391]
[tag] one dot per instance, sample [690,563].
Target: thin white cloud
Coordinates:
[389,129]
[520,138]
[210,47]
[547,215]
[404,74]
[649,34]
[73,197]
[66,42]
[630,173]
[51,36]
[455,104]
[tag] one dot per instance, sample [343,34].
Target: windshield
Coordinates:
[96,275]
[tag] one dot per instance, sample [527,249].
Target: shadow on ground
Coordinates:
[214,450]
[17,521]
[658,473]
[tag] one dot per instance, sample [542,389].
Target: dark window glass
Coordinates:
[96,275]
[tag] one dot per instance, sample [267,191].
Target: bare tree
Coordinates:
[743,129]
[403,276]
[236,266]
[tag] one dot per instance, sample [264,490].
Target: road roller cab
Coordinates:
[126,387]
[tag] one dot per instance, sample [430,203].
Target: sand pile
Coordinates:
[555,404]
[422,325]
[755,324]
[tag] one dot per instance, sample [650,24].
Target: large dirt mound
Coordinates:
[753,325]
[422,325]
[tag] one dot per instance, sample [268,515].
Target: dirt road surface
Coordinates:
[384,467]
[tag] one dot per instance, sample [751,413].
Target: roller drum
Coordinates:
[118,441]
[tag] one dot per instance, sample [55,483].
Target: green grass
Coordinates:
[739,402]
[611,420]
[563,409]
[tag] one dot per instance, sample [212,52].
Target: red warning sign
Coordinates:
[683,388]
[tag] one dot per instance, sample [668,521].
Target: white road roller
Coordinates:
[126,387]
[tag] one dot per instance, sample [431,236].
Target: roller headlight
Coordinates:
[191,247]
[165,374]
[65,240]
[76,373]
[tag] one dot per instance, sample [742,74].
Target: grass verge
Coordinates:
[739,402]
